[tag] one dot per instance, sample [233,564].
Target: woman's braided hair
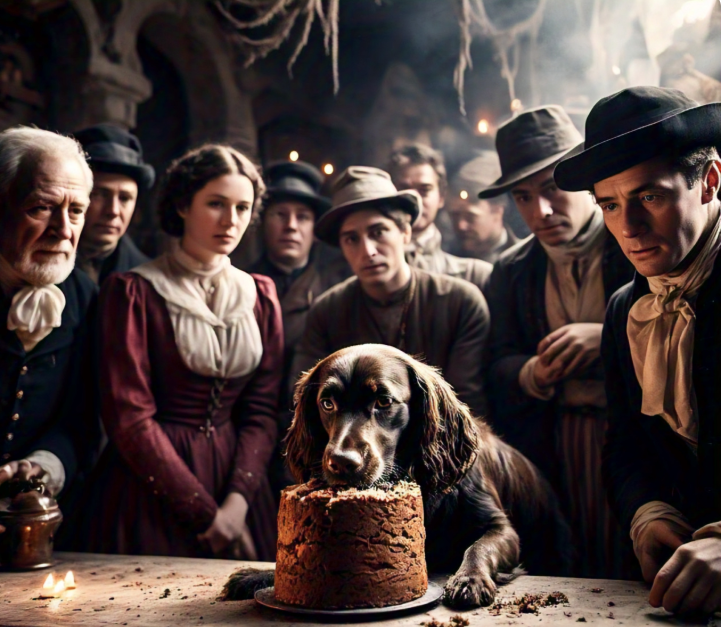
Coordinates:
[190,173]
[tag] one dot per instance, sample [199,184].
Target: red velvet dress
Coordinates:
[179,442]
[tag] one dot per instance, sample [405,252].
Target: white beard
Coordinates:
[48,273]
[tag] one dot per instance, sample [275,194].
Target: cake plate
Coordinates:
[267,598]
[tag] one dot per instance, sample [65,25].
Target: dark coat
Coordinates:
[518,323]
[644,460]
[297,292]
[48,397]
[126,256]
[447,326]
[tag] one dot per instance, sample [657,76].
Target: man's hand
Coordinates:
[690,581]
[228,525]
[22,469]
[655,545]
[568,350]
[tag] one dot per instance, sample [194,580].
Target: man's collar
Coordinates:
[426,242]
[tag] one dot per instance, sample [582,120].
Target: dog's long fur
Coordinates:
[487,509]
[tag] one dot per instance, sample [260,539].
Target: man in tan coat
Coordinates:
[444,320]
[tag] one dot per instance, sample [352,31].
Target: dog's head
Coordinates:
[371,413]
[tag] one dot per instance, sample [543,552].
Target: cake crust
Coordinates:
[350,548]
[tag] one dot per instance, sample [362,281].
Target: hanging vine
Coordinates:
[280,16]
[473,17]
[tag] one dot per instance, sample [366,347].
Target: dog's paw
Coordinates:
[465,591]
[242,584]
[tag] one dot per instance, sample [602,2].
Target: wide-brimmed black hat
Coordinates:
[360,187]
[295,180]
[632,126]
[113,149]
[530,142]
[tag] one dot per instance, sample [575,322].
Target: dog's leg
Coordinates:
[497,550]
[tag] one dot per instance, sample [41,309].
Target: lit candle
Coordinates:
[463,194]
[59,588]
[47,591]
[483,127]
[70,581]
[328,169]
[293,155]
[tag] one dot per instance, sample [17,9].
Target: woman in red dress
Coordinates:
[192,358]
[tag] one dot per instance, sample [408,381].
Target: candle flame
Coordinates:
[328,169]
[293,155]
[463,194]
[70,580]
[49,582]
[483,127]
[59,587]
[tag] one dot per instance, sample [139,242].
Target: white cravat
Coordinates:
[35,310]
[660,329]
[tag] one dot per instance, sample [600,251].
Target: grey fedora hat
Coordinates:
[361,187]
[530,142]
[634,125]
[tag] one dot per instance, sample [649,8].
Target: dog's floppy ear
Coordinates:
[306,438]
[445,439]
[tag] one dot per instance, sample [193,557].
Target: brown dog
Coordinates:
[371,414]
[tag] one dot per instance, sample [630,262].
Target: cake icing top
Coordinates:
[318,489]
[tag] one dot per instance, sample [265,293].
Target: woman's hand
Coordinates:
[229,524]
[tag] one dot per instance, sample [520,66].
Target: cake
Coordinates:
[342,548]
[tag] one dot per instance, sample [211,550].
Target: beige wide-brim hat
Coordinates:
[360,187]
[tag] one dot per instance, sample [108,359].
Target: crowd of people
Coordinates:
[152,396]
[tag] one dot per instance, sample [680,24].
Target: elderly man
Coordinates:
[441,318]
[479,224]
[119,175]
[651,156]
[421,168]
[547,298]
[47,391]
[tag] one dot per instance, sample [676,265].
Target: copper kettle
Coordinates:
[30,517]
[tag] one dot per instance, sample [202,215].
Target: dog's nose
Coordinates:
[344,462]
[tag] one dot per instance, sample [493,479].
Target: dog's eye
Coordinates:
[384,401]
[327,404]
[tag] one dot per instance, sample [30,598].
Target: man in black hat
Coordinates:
[420,167]
[119,173]
[446,319]
[547,297]
[301,268]
[651,157]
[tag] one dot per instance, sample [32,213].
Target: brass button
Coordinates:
[19,394]
[9,436]
[16,416]
[24,370]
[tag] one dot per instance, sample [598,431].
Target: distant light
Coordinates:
[516,104]
[483,127]
[328,169]
[293,155]
[616,70]
[463,194]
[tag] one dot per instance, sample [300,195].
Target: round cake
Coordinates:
[341,548]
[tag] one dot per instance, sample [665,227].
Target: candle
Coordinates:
[47,591]
[59,588]
[70,581]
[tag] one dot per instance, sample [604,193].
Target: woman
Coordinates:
[191,367]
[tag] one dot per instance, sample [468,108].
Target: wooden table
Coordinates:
[175,592]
